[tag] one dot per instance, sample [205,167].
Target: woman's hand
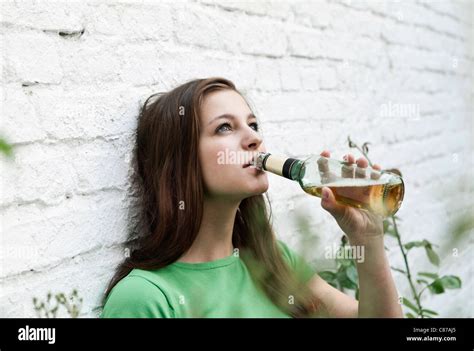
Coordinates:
[358,225]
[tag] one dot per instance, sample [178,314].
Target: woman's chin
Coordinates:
[258,189]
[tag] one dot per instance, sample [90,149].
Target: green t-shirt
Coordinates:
[220,288]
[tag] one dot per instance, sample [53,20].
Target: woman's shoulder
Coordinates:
[137,295]
[289,254]
[296,261]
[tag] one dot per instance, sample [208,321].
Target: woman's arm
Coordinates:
[378,296]
[377,293]
[330,302]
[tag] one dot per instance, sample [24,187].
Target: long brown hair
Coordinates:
[167,173]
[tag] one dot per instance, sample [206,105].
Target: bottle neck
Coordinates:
[283,166]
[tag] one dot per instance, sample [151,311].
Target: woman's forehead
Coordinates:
[223,102]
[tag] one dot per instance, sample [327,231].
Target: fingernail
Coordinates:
[326,194]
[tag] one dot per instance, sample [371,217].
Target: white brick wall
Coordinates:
[73,75]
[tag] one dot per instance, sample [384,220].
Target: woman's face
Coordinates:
[229,136]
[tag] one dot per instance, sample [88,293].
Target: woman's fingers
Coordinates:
[349,158]
[347,170]
[351,168]
[361,170]
[376,173]
[326,153]
[323,166]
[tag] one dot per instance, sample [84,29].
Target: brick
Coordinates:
[136,21]
[36,236]
[48,171]
[75,74]
[20,121]
[44,15]
[33,57]
[262,8]
[250,35]
[86,113]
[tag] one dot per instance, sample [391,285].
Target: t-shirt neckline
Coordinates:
[221,262]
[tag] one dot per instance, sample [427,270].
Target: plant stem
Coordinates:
[421,292]
[404,254]
[407,267]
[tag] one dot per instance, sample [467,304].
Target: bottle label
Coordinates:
[275,165]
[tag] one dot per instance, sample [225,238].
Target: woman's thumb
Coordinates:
[328,202]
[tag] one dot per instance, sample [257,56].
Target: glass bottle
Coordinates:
[380,192]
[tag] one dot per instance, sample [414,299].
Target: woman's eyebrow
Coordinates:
[230,116]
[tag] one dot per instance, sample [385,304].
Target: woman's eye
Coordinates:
[254,125]
[223,128]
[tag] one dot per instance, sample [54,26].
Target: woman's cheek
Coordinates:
[217,177]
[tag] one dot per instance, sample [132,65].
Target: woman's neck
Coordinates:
[214,239]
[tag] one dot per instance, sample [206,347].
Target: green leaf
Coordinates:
[432,255]
[410,305]
[345,262]
[462,226]
[345,281]
[5,148]
[327,275]
[398,270]
[349,141]
[424,310]
[388,228]
[351,273]
[409,315]
[436,287]
[450,282]
[413,244]
[365,148]
[341,262]
[428,274]
[422,281]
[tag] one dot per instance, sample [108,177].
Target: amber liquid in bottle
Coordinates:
[383,199]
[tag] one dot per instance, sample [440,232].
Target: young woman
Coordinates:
[204,245]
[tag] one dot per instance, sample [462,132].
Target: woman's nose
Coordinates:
[253,140]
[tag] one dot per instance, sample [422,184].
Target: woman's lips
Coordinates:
[254,170]
[248,164]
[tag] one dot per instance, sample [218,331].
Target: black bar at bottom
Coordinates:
[416,334]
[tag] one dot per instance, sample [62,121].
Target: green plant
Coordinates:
[49,308]
[5,147]
[345,274]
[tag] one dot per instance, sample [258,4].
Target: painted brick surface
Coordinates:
[396,74]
